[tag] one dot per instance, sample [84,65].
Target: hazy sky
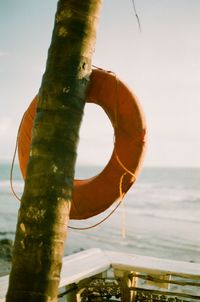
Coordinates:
[161,64]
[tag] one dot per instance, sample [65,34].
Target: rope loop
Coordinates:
[127,171]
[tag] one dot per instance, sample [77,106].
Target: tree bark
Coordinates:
[44,212]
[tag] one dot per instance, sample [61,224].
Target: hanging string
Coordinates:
[13,162]
[11,174]
[123,221]
[122,165]
[98,223]
[136,15]
[121,193]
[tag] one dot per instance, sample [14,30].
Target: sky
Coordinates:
[161,64]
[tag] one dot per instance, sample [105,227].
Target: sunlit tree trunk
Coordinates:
[44,211]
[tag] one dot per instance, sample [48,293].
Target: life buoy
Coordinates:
[94,195]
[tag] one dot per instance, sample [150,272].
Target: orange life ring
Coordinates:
[94,195]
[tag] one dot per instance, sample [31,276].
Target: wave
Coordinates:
[174,214]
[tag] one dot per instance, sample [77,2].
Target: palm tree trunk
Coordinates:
[44,211]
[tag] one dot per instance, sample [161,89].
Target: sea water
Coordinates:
[160,215]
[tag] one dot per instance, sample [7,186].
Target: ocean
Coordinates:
[159,217]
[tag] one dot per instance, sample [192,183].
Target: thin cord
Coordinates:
[98,223]
[120,182]
[123,222]
[11,174]
[13,161]
[122,165]
[136,15]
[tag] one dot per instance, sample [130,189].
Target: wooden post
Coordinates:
[126,282]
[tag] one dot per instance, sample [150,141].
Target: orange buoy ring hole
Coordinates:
[94,195]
